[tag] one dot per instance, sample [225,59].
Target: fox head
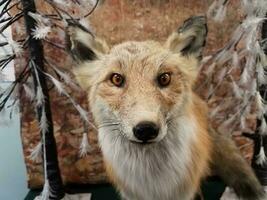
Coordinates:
[135,89]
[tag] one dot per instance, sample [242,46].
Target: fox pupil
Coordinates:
[164,79]
[117,79]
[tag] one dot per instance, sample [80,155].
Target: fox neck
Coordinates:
[154,171]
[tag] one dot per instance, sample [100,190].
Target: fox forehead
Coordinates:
[138,53]
[134,47]
[147,54]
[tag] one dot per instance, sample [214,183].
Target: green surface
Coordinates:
[212,190]
[99,192]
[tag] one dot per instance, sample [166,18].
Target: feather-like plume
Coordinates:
[217,10]
[260,105]
[230,120]
[15,46]
[250,25]
[237,90]
[263,130]
[212,8]
[253,87]
[210,90]
[243,122]
[222,74]
[259,51]
[88,3]
[66,78]
[46,192]
[36,153]
[39,96]
[251,22]
[39,18]
[235,59]
[43,26]
[251,38]
[229,194]
[224,56]
[214,111]
[82,112]
[43,121]
[236,36]
[62,3]
[220,14]
[244,76]
[261,157]
[210,69]
[85,147]
[261,77]
[225,125]
[57,84]
[85,22]
[63,75]
[41,31]
[205,59]
[28,91]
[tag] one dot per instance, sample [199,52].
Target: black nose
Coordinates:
[146,131]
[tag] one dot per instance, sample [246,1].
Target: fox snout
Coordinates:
[146,131]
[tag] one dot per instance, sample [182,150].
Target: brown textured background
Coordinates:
[117,21]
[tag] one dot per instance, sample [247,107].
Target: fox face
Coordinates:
[142,89]
[136,88]
[140,95]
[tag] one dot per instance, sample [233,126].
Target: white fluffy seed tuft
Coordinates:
[85,147]
[36,153]
[39,96]
[29,92]
[261,157]
[41,31]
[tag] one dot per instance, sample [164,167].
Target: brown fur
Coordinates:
[228,162]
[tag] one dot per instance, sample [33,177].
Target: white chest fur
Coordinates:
[152,172]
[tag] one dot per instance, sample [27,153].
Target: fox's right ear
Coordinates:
[190,38]
[83,45]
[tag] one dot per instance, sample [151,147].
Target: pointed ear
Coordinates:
[83,45]
[190,38]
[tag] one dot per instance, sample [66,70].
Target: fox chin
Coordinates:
[153,129]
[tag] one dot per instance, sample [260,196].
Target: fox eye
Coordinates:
[164,79]
[117,79]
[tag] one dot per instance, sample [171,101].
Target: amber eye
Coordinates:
[117,79]
[164,79]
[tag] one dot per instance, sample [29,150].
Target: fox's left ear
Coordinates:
[86,49]
[190,38]
[84,45]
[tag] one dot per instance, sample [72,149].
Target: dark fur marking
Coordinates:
[196,44]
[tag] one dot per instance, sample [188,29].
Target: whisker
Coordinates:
[115,129]
[110,121]
[107,125]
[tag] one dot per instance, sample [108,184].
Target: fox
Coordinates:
[153,129]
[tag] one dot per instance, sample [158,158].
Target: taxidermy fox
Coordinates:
[153,129]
